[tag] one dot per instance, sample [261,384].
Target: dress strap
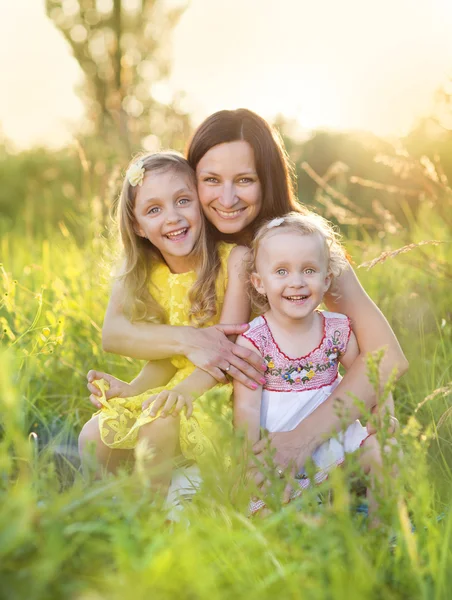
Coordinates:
[258,334]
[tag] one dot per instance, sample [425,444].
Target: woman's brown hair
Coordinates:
[275,172]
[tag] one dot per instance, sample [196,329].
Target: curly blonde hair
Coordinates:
[139,254]
[304,224]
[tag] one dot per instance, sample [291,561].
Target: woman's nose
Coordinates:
[228,198]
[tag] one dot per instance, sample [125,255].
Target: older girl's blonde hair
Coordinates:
[304,224]
[139,254]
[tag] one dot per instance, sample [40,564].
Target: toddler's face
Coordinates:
[291,269]
[168,214]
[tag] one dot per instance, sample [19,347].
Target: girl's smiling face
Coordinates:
[168,214]
[228,186]
[292,271]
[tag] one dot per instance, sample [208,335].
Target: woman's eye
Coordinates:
[281,272]
[245,180]
[211,180]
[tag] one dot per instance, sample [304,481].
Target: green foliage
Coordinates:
[63,537]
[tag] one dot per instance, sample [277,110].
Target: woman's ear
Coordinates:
[256,280]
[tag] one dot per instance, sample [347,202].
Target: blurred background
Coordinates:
[347,84]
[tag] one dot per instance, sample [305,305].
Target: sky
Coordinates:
[340,64]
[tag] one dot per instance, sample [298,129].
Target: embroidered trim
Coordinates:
[298,357]
[315,370]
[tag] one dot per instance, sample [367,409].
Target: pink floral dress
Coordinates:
[295,387]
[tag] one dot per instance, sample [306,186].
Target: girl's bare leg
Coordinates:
[162,440]
[90,445]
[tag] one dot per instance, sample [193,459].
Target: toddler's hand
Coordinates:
[169,399]
[116,387]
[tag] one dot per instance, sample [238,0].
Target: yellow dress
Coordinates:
[121,418]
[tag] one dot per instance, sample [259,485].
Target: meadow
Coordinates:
[62,536]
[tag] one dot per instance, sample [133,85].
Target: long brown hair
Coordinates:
[139,255]
[274,169]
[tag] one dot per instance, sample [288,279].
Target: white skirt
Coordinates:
[284,411]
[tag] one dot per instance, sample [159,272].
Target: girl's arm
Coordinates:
[154,374]
[247,404]
[206,348]
[236,307]
[372,332]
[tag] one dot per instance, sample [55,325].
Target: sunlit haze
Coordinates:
[345,65]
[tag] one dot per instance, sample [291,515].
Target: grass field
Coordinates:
[62,537]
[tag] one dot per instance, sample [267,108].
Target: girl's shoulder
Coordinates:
[232,257]
[336,324]
[227,250]
[331,316]
[257,333]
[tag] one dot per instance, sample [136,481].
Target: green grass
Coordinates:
[61,537]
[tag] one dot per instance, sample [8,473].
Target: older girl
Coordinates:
[171,274]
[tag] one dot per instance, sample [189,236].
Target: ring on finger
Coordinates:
[227,368]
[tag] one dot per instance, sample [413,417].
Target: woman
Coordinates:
[244,176]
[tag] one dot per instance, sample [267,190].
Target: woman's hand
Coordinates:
[210,350]
[371,425]
[289,456]
[172,401]
[116,389]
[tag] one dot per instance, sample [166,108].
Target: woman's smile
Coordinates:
[228,186]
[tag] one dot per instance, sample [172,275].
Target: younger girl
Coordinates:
[294,261]
[172,274]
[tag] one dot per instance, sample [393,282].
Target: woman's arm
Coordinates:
[372,332]
[206,348]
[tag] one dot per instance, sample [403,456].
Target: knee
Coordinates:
[161,431]
[89,435]
[371,452]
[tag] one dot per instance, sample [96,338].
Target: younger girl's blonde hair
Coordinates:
[304,224]
[139,254]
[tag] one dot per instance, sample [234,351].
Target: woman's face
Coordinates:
[228,186]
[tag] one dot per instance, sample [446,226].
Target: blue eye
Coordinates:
[153,210]
[281,272]
[184,201]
